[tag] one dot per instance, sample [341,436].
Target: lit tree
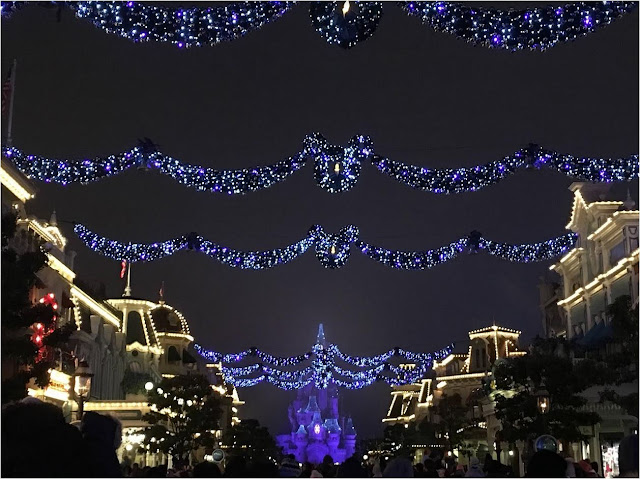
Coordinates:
[620,360]
[251,440]
[185,413]
[518,379]
[29,331]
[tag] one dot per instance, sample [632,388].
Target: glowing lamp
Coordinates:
[316,429]
[543,399]
[345,7]
[83,377]
[148,386]
[336,168]
[333,250]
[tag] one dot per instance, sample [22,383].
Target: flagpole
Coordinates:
[127,289]
[13,92]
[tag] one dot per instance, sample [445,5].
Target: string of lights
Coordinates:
[530,29]
[331,250]
[182,27]
[344,23]
[336,168]
[323,369]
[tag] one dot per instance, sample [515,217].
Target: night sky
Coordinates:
[425,98]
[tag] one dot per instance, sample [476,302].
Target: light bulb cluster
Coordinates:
[527,253]
[336,168]
[182,27]
[323,370]
[345,23]
[332,251]
[530,29]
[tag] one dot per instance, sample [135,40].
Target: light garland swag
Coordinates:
[345,23]
[332,250]
[323,369]
[336,168]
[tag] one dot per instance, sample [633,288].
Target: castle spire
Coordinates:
[320,339]
[53,221]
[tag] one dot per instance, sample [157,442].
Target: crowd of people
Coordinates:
[38,442]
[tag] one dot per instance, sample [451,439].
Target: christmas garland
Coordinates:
[344,23]
[336,168]
[332,250]
[323,370]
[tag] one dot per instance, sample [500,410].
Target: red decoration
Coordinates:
[39,332]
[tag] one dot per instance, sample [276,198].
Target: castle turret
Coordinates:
[316,429]
[301,440]
[349,438]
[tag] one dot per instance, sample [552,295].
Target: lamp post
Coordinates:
[82,385]
[543,399]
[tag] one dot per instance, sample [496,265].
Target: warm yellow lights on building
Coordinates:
[14,186]
[95,306]
[60,268]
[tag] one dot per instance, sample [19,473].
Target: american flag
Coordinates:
[6,92]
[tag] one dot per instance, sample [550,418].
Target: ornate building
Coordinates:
[317,426]
[462,372]
[602,267]
[120,338]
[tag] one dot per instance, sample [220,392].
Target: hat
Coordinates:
[289,468]
[474,462]
[585,466]
[315,473]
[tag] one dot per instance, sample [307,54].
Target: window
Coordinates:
[135,331]
[616,253]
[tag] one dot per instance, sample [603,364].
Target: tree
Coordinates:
[250,440]
[185,413]
[618,364]
[518,379]
[29,332]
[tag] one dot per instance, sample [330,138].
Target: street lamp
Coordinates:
[82,385]
[148,386]
[544,400]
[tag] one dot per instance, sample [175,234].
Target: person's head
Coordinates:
[236,467]
[19,421]
[546,464]
[206,469]
[327,460]
[474,462]
[289,467]
[419,467]
[101,428]
[628,456]
[594,466]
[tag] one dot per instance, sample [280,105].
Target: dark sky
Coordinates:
[425,98]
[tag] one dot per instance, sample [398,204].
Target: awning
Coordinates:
[187,358]
[597,335]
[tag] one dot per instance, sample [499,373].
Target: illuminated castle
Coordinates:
[317,428]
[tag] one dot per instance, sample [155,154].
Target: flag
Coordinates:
[7,86]
[161,292]
[124,268]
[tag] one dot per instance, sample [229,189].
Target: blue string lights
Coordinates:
[182,27]
[331,250]
[531,29]
[323,370]
[336,169]
[344,23]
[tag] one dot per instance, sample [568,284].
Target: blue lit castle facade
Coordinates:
[317,426]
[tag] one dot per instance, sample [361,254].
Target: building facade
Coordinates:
[602,267]
[125,340]
[462,372]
